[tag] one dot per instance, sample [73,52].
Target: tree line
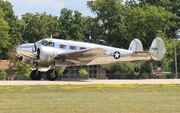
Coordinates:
[114,21]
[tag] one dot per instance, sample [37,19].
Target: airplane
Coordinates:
[51,52]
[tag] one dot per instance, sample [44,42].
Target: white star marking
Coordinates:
[117,55]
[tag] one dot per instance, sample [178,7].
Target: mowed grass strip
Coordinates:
[132,98]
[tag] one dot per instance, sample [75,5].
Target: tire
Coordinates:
[136,69]
[35,75]
[51,76]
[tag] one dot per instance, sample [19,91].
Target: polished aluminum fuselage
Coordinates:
[49,54]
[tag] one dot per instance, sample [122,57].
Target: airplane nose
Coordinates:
[18,49]
[25,49]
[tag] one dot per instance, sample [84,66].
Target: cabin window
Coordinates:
[82,48]
[73,47]
[62,46]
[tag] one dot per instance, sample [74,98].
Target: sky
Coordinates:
[49,6]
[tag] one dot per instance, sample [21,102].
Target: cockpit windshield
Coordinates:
[45,43]
[42,42]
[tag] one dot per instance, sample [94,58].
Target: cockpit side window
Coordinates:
[50,44]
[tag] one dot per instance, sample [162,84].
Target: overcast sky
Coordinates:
[49,6]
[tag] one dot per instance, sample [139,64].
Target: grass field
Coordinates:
[90,99]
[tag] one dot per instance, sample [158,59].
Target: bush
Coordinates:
[60,70]
[143,76]
[3,74]
[83,72]
[23,71]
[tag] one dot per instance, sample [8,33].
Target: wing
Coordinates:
[82,56]
[133,57]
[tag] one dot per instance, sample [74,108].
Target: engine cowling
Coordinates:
[45,54]
[24,60]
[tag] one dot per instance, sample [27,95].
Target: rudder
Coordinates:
[157,49]
[135,45]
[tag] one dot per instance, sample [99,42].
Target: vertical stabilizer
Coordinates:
[157,49]
[135,45]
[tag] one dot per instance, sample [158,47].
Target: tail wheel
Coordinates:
[35,75]
[136,69]
[51,75]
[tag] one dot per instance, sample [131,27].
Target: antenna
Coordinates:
[113,43]
[54,36]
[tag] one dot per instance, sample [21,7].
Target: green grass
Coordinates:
[90,99]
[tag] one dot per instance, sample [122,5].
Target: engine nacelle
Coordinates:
[45,54]
[24,60]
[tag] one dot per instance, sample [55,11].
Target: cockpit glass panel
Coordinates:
[42,42]
[46,43]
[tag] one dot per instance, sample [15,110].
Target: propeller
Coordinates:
[35,48]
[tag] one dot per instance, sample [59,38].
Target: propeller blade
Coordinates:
[35,48]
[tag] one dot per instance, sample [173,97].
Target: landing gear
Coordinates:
[51,75]
[136,69]
[35,75]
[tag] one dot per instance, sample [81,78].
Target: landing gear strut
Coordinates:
[35,74]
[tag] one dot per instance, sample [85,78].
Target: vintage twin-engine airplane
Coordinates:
[52,52]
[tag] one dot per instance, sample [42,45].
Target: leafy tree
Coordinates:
[168,60]
[15,26]
[117,68]
[23,71]
[65,23]
[146,23]
[109,20]
[92,30]
[3,74]
[72,25]
[4,36]
[173,23]
[77,29]
[38,26]
[83,72]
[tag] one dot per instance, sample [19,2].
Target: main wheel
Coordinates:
[35,75]
[51,75]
